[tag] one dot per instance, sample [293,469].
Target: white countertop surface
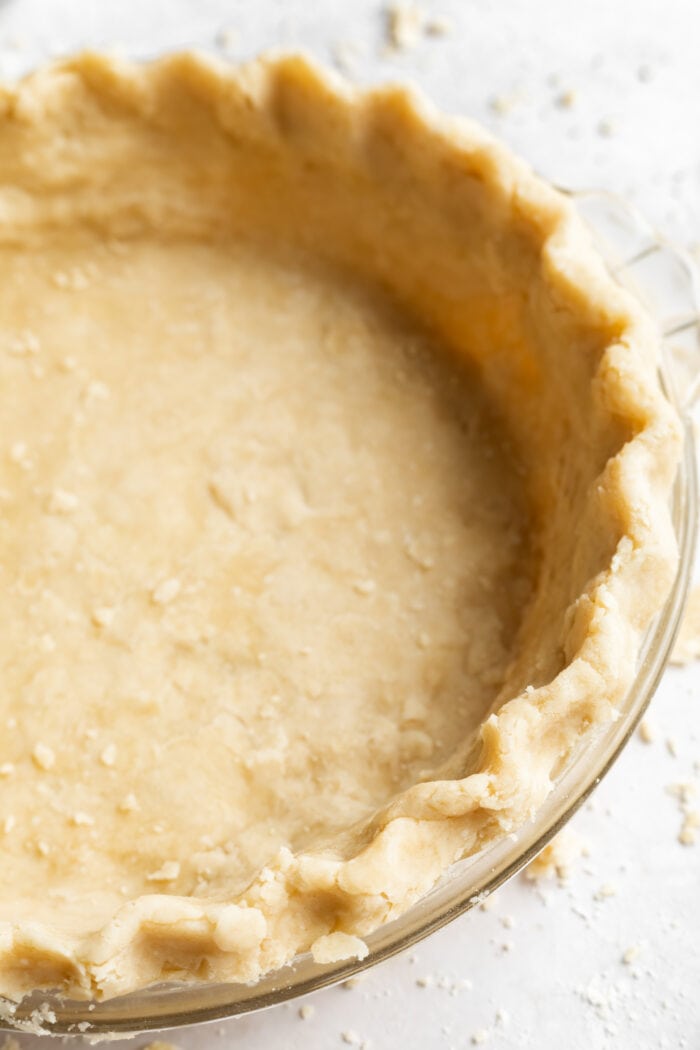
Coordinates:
[604,93]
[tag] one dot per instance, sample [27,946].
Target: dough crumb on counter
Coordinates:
[688,835]
[631,954]
[566,99]
[481,1036]
[438,27]
[685,794]
[405,25]
[647,731]
[228,40]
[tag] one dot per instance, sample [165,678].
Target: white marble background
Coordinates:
[602,93]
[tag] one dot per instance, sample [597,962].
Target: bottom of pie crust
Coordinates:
[264,560]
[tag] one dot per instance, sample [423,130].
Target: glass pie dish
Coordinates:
[668,282]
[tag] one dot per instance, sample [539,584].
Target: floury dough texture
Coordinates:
[221,562]
[332,503]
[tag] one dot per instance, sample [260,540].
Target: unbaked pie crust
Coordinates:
[334,473]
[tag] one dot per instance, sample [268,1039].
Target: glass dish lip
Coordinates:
[185,1004]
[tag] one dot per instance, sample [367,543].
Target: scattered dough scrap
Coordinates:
[405,25]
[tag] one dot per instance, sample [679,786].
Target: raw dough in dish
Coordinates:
[333,479]
[217,560]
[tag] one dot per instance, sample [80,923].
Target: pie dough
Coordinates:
[333,489]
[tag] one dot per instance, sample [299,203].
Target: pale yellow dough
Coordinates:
[261,549]
[333,476]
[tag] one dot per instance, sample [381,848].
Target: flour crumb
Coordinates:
[605,891]
[7,769]
[503,105]
[108,755]
[566,99]
[688,834]
[405,24]
[672,747]
[129,804]
[166,591]
[103,616]
[228,40]
[160,1044]
[307,1011]
[350,1037]
[631,954]
[19,454]
[346,56]
[481,1036]
[647,732]
[62,502]
[82,819]
[74,280]
[96,390]
[684,792]
[558,857]
[438,27]
[167,873]
[24,343]
[463,985]
[47,643]
[43,756]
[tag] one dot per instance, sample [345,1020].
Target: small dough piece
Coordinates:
[334,947]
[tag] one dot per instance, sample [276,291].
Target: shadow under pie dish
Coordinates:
[334,508]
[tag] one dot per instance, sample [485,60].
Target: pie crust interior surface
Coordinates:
[333,506]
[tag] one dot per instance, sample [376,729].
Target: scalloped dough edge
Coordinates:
[314,902]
